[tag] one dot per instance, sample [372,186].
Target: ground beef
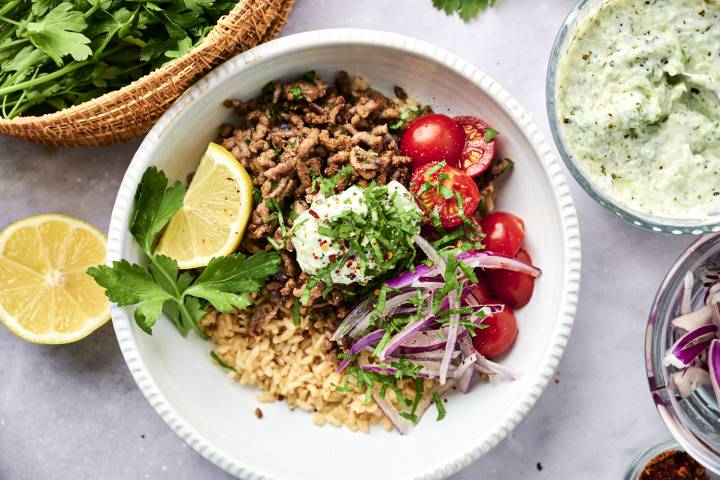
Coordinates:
[300,130]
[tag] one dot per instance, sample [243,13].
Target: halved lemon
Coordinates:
[215,212]
[45,294]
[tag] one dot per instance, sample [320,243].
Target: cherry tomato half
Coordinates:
[504,233]
[433,138]
[435,188]
[477,154]
[513,288]
[499,335]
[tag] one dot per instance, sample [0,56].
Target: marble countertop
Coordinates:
[59,405]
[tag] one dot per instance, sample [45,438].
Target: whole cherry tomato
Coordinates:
[512,288]
[433,138]
[437,187]
[498,336]
[479,149]
[504,233]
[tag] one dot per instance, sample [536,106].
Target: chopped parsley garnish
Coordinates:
[296,312]
[404,115]
[439,405]
[490,134]
[296,92]
[268,88]
[220,362]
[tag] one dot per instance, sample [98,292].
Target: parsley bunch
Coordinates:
[54,54]
[161,288]
[466,9]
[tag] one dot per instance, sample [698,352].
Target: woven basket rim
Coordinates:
[159,73]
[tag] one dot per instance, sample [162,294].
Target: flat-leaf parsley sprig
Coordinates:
[161,288]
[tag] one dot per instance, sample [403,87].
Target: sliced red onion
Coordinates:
[429,252]
[483,365]
[686,302]
[689,346]
[405,279]
[714,367]
[371,338]
[465,380]
[694,320]
[401,424]
[711,296]
[451,337]
[427,341]
[493,260]
[403,335]
[685,381]
[355,316]
[391,305]
[465,365]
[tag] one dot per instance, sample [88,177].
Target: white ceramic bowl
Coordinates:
[215,415]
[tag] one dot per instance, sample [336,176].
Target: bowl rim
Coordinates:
[656,373]
[117,234]
[637,219]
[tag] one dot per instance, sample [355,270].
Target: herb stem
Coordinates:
[43,79]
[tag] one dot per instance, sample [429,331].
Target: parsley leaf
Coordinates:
[57,34]
[225,283]
[296,92]
[220,362]
[490,134]
[466,9]
[439,405]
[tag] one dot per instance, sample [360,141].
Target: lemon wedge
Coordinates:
[45,294]
[215,212]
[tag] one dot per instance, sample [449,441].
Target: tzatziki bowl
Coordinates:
[632,100]
[224,420]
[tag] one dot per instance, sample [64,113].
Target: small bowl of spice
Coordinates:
[666,460]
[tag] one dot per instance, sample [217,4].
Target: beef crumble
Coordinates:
[297,132]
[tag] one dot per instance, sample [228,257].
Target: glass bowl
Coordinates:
[636,467]
[695,420]
[582,10]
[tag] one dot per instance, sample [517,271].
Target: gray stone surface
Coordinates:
[60,407]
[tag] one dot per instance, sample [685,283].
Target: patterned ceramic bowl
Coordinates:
[214,415]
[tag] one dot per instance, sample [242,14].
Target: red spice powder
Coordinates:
[673,465]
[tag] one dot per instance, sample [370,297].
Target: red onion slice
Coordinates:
[694,320]
[429,252]
[689,346]
[351,320]
[406,279]
[483,365]
[371,338]
[391,305]
[686,381]
[494,260]
[401,425]
[714,367]
[452,336]
[686,302]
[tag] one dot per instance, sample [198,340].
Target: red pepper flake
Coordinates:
[313,213]
[332,257]
[673,465]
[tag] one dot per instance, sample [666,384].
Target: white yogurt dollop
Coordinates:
[315,251]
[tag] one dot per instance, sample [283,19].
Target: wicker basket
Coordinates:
[130,112]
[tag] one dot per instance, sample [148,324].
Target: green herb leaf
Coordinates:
[154,206]
[439,405]
[220,362]
[296,92]
[130,284]
[57,34]
[490,134]
[466,9]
